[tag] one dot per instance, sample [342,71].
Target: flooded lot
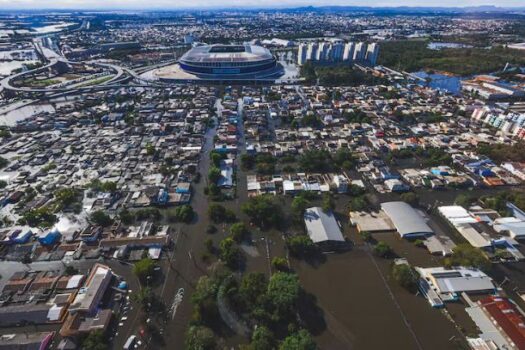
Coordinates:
[364,309]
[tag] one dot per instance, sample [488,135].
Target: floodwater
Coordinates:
[10,118]
[440,46]
[365,309]
[443,82]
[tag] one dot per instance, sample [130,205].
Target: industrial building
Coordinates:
[450,283]
[407,221]
[322,227]
[499,321]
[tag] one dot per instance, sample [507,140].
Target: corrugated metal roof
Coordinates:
[321,226]
[407,220]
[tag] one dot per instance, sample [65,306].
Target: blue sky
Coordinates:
[141,4]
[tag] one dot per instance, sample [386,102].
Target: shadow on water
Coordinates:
[312,316]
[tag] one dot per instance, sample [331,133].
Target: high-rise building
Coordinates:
[360,52]
[337,52]
[372,52]
[301,54]
[311,53]
[321,52]
[348,52]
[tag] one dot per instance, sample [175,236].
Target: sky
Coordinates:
[175,4]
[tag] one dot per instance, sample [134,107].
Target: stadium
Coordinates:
[229,62]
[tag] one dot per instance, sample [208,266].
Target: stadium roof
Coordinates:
[407,220]
[227,53]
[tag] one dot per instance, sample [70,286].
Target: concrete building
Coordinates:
[359,52]
[302,54]
[348,52]
[372,53]
[89,296]
[449,283]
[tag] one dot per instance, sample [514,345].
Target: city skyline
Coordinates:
[241,4]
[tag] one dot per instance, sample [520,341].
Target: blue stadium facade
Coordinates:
[229,62]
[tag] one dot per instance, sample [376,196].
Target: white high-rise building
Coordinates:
[360,52]
[338,51]
[321,52]
[301,54]
[311,53]
[372,52]
[348,53]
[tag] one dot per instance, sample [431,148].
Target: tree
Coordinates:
[279,263]
[214,174]
[252,287]
[316,161]
[263,210]
[150,149]
[229,252]
[217,212]
[382,249]
[40,217]
[358,203]
[262,339]
[410,197]
[238,231]
[301,340]
[300,245]
[66,196]
[204,300]
[95,340]
[404,276]
[200,338]
[299,206]
[144,268]
[465,200]
[216,158]
[247,161]
[144,297]
[344,159]
[109,186]
[467,255]
[283,292]
[328,202]
[183,213]
[127,217]
[100,218]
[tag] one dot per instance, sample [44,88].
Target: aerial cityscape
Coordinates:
[267,176]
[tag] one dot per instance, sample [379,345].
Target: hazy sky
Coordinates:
[142,4]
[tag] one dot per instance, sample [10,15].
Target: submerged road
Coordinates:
[185,267]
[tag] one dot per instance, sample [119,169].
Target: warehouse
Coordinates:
[322,227]
[407,221]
